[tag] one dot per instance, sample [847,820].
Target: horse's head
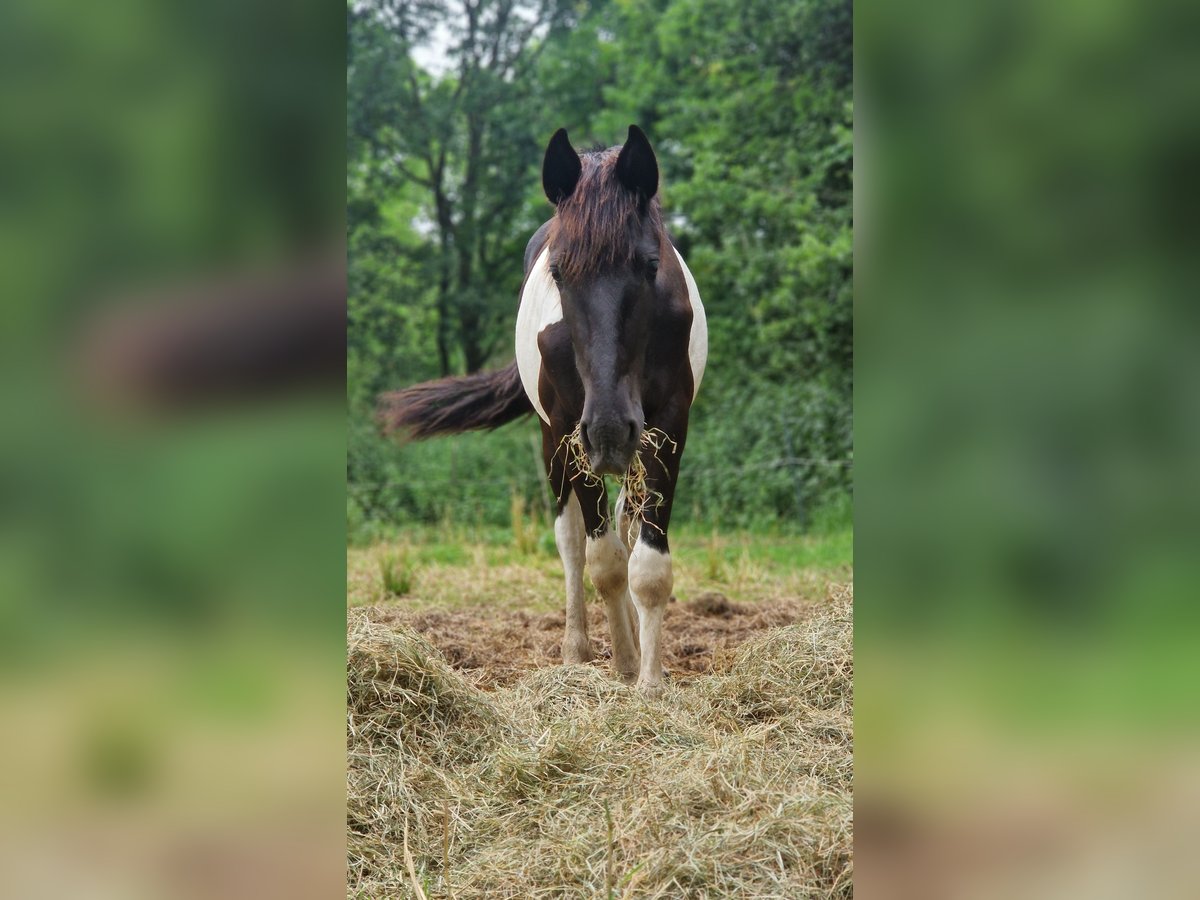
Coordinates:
[604,254]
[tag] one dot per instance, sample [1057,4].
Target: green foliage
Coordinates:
[471,479]
[749,106]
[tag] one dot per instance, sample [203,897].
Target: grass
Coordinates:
[395,574]
[464,567]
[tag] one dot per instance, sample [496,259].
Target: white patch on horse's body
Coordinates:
[570,538]
[698,338]
[607,563]
[650,582]
[541,306]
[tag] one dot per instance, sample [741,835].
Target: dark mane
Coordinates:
[596,227]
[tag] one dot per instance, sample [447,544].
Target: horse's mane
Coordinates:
[597,226]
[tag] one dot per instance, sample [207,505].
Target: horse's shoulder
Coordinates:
[674,302]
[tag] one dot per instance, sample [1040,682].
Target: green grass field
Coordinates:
[518,567]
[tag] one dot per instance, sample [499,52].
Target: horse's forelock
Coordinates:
[597,226]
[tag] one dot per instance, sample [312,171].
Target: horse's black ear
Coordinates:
[560,168]
[636,166]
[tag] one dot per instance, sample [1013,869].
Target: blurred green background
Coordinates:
[1027,369]
[749,107]
[171,573]
[1028,469]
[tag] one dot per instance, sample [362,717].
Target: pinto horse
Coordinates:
[611,343]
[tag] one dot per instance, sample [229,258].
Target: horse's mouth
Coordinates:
[609,462]
[610,445]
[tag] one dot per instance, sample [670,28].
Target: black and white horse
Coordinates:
[611,344]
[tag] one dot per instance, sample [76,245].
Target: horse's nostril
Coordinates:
[632,430]
[583,434]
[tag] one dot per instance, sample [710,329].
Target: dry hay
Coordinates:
[639,496]
[569,784]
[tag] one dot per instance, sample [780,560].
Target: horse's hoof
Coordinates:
[628,678]
[651,690]
[575,655]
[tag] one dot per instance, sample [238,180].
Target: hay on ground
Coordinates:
[568,784]
[495,648]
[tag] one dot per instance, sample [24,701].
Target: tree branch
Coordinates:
[412,176]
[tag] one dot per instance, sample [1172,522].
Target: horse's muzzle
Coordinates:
[610,445]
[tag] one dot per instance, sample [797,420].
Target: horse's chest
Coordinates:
[541,307]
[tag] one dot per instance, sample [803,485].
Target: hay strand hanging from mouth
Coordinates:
[577,457]
[639,496]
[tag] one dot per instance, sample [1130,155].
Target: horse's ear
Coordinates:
[636,166]
[560,168]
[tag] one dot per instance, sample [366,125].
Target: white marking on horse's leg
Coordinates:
[631,614]
[621,517]
[627,535]
[569,536]
[650,582]
[607,561]
[628,532]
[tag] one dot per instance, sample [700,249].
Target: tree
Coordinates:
[463,137]
[748,103]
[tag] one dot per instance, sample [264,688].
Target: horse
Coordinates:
[611,344]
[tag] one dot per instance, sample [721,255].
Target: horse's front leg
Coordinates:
[569,538]
[650,572]
[607,564]
[583,534]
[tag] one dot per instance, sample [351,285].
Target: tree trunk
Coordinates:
[445,232]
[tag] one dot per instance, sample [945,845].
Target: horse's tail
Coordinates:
[455,404]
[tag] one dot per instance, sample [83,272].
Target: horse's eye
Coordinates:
[651,267]
[554,273]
